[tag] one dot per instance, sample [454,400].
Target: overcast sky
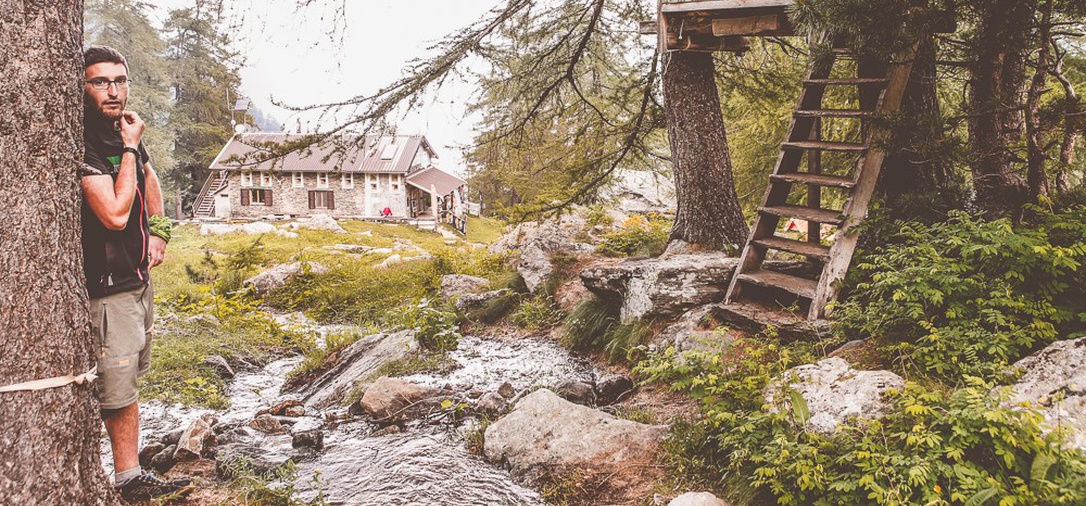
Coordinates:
[291,57]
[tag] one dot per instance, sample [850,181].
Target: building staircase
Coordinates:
[204,206]
[798,181]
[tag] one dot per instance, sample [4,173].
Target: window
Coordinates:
[298,180]
[322,200]
[347,180]
[246,178]
[373,186]
[256,197]
[322,180]
[265,179]
[373,178]
[389,152]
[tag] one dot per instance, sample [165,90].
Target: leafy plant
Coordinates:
[638,236]
[437,328]
[537,312]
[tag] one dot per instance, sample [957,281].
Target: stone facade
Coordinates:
[354,195]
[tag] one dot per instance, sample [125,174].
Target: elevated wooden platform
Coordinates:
[718,25]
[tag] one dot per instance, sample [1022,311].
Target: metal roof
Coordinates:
[442,181]
[346,153]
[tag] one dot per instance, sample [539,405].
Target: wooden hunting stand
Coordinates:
[798,181]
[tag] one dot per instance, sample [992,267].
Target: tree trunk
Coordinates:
[708,212]
[997,85]
[49,439]
[1036,176]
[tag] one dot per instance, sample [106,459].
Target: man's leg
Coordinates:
[123,426]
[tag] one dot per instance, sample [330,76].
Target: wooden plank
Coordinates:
[707,44]
[798,247]
[834,113]
[852,81]
[752,25]
[825,146]
[805,213]
[723,5]
[647,28]
[818,179]
[770,279]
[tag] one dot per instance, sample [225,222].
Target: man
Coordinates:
[124,235]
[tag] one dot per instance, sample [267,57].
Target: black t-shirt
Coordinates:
[113,260]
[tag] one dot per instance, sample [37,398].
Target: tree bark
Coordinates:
[49,439]
[1036,176]
[708,212]
[996,89]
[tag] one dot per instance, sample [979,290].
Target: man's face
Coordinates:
[109,102]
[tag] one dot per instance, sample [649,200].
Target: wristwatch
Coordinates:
[134,151]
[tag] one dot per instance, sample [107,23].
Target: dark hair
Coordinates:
[99,54]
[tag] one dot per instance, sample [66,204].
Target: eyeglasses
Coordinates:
[101,84]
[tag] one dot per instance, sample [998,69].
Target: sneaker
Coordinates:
[147,486]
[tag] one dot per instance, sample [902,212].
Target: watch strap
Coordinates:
[134,151]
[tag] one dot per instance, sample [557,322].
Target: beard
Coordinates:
[107,111]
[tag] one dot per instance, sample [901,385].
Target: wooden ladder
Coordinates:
[752,277]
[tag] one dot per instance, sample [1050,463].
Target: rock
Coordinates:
[294,411]
[198,440]
[545,433]
[1054,372]
[662,287]
[391,429]
[688,333]
[351,248]
[282,408]
[577,392]
[458,284]
[491,404]
[254,228]
[537,241]
[148,452]
[535,267]
[274,278]
[392,260]
[267,424]
[473,301]
[506,390]
[171,438]
[393,399]
[318,222]
[313,438]
[834,392]
[221,367]
[697,499]
[203,319]
[570,294]
[163,460]
[286,233]
[357,363]
[610,388]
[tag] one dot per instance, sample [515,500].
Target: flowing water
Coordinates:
[426,464]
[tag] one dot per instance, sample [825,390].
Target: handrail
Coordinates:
[206,190]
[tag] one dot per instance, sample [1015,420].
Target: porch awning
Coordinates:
[444,182]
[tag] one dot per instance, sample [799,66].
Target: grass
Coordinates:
[484,230]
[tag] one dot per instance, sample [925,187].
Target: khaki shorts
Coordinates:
[121,324]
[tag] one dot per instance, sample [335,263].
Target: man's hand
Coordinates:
[131,128]
[156,251]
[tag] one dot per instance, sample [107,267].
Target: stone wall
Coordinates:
[370,194]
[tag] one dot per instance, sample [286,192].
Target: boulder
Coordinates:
[690,332]
[535,267]
[491,404]
[358,363]
[577,392]
[163,460]
[198,440]
[473,301]
[318,222]
[220,366]
[537,241]
[173,437]
[391,260]
[267,424]
[664,286]
[313,438]
[395,400]
[546,434]
[148,452]
[274,278]
[611,388]
[1054,381]
[458,284]
[835,392]
[697,499]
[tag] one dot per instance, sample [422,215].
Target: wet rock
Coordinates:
[662,287]
[545,433]
[274,278]
[313,438]
[459,284]
[1054,381]
[171,438]
[357,363]
[148,452]
[472,301]
[392,399]
[834,392]
[506,390]
[221,367]
[386,431]
[282,408]
[267,424]
[294,411]
[612,387]
[491,404]
[163,460]
[318,222]
[578,392]
[198,440]
[697,499]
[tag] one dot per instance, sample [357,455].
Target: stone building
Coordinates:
[391,176]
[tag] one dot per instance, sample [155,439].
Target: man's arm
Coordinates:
[109,200]
[156,246]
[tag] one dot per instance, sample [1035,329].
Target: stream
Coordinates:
[427,463]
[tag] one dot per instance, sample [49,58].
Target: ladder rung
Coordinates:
[771,279]
[792,246]
[833,113]
[825,146]
[852,81]
[827,216]
[818,179]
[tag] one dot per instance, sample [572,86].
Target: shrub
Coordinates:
[537,312]
[437,328]
[968,296]
[638,236]
[594,325]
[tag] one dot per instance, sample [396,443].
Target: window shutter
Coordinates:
[244,197]
[311,204]
[267,197]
